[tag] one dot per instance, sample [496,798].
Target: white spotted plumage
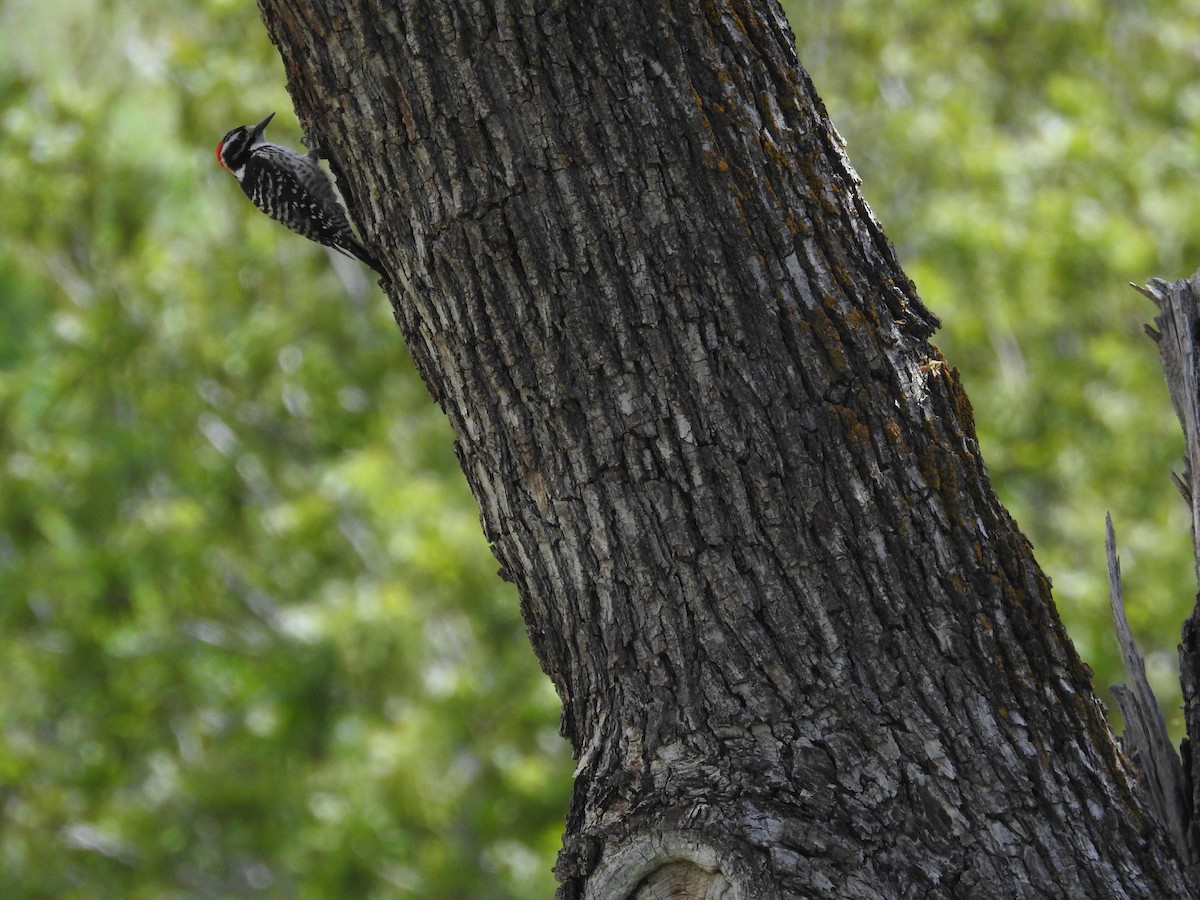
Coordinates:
[289,187]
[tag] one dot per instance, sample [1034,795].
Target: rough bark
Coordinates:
[801,647]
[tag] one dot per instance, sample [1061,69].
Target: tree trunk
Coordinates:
[801,647]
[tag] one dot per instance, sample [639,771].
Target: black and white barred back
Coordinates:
[289,187]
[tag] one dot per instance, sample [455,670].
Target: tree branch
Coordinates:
[1145,738]
[1176,331]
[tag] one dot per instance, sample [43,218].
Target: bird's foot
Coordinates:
[314,148]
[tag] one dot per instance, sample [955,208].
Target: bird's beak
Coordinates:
[262,126]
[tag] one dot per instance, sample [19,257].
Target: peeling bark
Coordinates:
[801,648]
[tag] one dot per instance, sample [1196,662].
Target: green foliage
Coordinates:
[254,644]
[1029,160]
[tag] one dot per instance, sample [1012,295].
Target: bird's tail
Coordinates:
[350,247]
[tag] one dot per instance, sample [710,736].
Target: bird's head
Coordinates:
[234,149]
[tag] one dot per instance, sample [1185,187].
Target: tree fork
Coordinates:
[801,647]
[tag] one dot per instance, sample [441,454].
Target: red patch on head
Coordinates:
[221,162]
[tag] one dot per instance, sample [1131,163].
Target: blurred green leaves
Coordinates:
[254,644]
[1029,160]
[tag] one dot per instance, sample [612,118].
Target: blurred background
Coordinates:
[253,640]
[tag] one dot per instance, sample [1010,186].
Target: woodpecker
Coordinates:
[290,188]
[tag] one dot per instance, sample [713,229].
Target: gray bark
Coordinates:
[801,648]
[1176,331]
[1145,739]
